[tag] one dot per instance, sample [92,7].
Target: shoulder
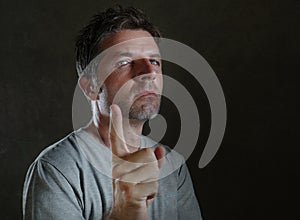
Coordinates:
[75,153]
[65,155]
[62,150]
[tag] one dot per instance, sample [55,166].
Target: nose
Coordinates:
[145,70]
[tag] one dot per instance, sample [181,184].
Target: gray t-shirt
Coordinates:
[71,180]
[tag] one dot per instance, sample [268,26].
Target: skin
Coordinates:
[129,95]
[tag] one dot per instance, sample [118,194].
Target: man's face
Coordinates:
[132,65]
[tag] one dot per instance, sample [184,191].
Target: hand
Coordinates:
[135,175]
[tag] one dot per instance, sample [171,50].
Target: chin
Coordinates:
[142,115]
[144,110]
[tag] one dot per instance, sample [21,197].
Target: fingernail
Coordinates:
[110,113]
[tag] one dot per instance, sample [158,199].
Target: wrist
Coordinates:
[133,212]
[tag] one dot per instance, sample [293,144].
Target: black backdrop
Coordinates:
[252,47]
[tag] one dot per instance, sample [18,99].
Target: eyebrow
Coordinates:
[156,55]
[128,54]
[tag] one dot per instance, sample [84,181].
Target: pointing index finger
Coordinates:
[116,136]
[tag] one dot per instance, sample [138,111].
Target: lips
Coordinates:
[146,94]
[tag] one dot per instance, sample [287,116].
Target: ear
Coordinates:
[86,85]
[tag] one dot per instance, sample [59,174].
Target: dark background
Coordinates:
[251,45]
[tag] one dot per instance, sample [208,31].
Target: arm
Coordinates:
[187,204]
[48,195]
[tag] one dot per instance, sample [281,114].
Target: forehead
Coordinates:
[129,41]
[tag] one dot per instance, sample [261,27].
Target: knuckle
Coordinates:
[149,155]
[155,185]
[153,166]
[148,150]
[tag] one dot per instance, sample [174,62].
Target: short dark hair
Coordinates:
[105,23]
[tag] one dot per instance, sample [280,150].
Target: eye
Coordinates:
[155,62]
[122,63]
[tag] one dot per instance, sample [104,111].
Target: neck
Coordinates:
[132,129]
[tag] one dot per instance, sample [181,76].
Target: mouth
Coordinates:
[146,94]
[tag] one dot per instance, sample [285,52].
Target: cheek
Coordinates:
[117,85]
[159,82]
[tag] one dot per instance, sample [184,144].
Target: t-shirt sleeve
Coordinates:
[187,204]
[48,195]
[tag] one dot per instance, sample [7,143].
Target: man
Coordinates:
[108,170]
